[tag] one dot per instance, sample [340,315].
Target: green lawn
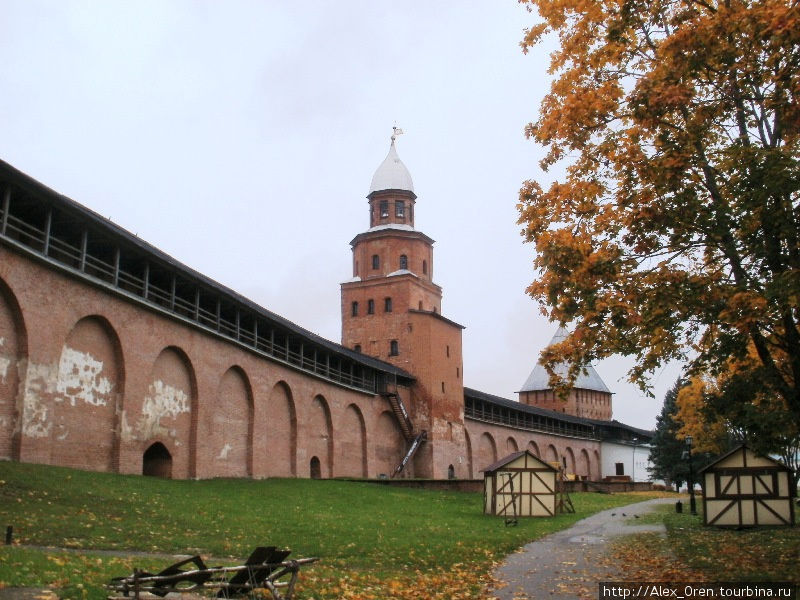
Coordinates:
[373,540]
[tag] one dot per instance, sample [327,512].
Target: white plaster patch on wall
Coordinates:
[163,400]
[223,454]
[39,382]
[125,430]
[4,364]
[80,378]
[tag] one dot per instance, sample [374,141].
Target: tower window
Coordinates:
[393,348]
[403,261]
[387,305]
[424,267]
[400,209]
[354,309]
[376,261]
[384,209]
[370,306]
[357,348]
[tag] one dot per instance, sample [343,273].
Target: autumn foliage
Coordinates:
[674,231]
[734,406]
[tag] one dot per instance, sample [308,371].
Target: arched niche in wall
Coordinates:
[229,431]
[584,464]
[280,430]
[319,435]
[168,407]
[487,451]
[351,449]
[533,448]
[511,445]
[468,442]
[551,454]
[13,352]
[569,457]
[387,444]
[87,397]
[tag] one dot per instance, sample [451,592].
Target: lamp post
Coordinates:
[688,454]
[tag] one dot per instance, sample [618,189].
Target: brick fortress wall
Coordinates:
[90,380]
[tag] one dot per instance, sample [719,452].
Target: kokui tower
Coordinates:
[391,310]
[589,396]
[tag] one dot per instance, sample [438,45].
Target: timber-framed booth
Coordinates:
[520,485]
[745,489]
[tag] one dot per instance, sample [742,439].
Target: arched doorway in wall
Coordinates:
[451,472]
[315,468]
[157,461]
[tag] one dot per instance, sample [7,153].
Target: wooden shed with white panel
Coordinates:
[520,485]
[744,489]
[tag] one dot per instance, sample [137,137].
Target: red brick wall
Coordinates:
[12,352]
[589,404]
[91,379]
[389,246]
[104,378]
[492,442]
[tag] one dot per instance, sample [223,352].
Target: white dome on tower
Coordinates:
[392,174]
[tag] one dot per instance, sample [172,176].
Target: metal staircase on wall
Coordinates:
[388,389]
[412,450]
[401,414]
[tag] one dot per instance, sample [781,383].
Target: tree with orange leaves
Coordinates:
[733,407]
[674,233]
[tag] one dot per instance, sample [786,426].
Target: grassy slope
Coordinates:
[372,539]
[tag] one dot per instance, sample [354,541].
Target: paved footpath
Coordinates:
[570,563]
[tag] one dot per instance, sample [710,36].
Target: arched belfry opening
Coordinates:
[157,461]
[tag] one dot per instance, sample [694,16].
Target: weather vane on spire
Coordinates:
[397,131]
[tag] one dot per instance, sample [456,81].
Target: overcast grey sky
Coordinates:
[241,137]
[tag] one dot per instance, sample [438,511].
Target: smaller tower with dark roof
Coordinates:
[589,397]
